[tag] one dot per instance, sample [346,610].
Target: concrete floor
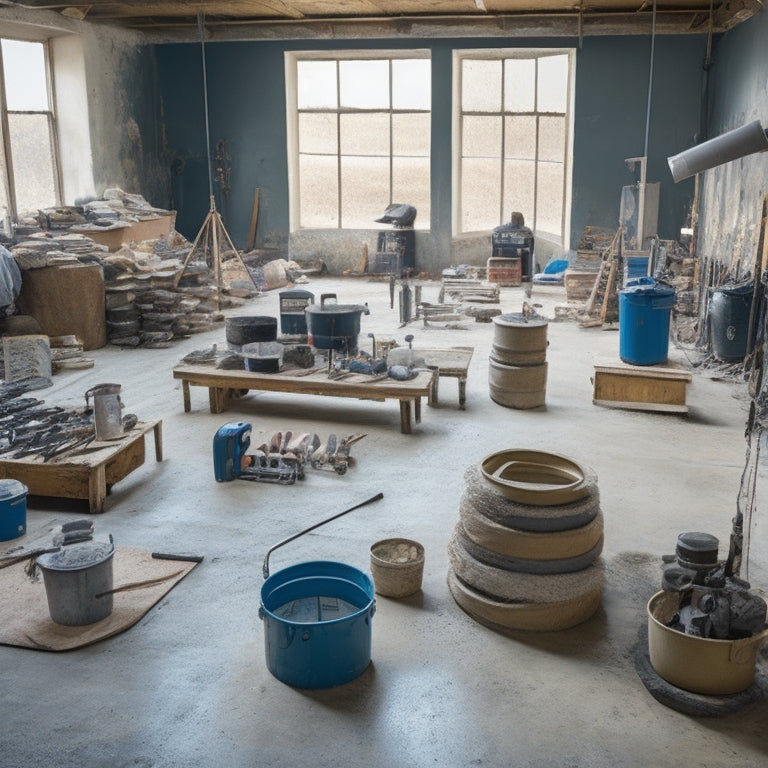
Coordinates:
[188,685]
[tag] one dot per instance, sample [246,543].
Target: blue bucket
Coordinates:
[317,623]
[645,307]
[13,509]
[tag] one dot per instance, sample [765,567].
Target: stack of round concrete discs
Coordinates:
[517,372]
[525,553]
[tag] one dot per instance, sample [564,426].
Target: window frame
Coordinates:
[6,155]
[500,54]
[292,59]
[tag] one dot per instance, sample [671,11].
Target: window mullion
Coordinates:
[52,126]
[6,161]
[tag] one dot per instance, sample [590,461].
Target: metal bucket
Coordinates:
[317,623]
[107,410]
[78,582]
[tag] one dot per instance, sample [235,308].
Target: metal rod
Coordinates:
[265,568]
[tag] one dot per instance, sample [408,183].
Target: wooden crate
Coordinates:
[87,474]
[640,387]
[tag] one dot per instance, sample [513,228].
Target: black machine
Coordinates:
[515,241]
[396,248]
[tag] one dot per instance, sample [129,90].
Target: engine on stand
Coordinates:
[714,602]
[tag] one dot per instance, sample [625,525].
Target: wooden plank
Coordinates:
[657,407]
[619,368]
[625,388]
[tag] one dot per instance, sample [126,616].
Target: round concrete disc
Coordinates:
[525,564]
[540,617]
[553,545]
[523,587]
[480,497]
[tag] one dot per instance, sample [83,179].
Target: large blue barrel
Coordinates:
[729,310]
[645,307]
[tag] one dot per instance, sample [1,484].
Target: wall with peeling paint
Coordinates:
[246,90]
[731,195]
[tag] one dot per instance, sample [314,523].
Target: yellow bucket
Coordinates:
[698,664]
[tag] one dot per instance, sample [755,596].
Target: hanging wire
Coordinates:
[650,81]
[201,28]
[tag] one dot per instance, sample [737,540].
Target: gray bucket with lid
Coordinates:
[78,582]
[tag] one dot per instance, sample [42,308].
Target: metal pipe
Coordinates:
[265,567]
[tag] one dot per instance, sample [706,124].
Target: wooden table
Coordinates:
[86,473]
[452,362]
[223,385]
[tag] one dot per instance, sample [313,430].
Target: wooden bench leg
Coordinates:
[158,433]
[218,398]
[185,395]
[434,389]
[405,417]
[462,392]
[97,488]
[417,409]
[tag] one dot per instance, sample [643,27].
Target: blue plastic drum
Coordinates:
[645,307]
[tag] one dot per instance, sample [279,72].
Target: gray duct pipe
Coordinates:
[722,149]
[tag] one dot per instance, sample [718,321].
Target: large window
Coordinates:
[513,143]
[359,128]
[28,160]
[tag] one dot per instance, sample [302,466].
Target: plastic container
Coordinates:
[13,509]
[698,664]
[293,321]
[317,623]
[397,566]
[634,267]
[247,329]
[263,356]
[645,307]
[729,310]
[78,582]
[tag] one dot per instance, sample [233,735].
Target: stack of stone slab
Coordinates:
[527,566]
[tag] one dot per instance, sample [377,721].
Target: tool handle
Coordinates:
[265,567]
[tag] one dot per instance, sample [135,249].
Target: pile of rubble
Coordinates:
[154,291]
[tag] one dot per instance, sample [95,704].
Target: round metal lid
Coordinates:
[75,557]
[519,319]
[10,489]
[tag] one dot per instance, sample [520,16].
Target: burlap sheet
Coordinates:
[26,622]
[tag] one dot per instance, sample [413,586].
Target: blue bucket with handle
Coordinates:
[317,618]
[317,623]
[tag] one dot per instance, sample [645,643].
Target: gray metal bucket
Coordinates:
[78,582]
[107,411]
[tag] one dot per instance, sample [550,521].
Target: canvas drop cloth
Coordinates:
[25,621]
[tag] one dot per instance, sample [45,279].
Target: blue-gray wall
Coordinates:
[732,194]
[246,93]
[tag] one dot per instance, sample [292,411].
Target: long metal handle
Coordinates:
[265,567]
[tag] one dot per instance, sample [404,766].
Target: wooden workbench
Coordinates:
[223,385]
[86,473]
[452,362]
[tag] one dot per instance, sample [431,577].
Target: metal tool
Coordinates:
[265,567]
